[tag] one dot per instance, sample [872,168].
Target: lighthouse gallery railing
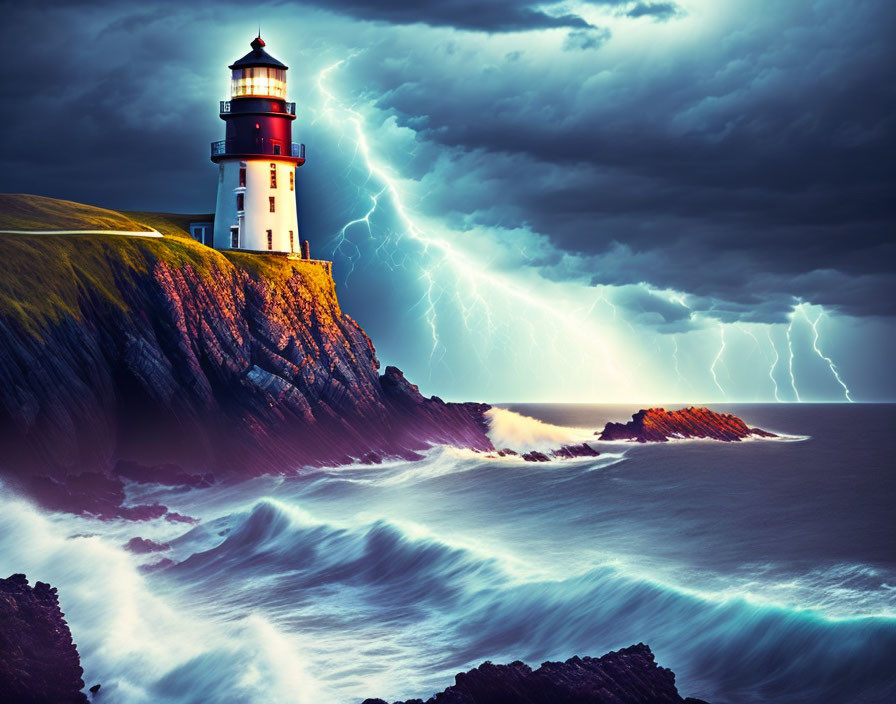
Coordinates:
[289,108]
[297,150]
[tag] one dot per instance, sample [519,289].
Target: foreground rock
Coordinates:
[38,660]
[627,676]
[161,360]
[660,425]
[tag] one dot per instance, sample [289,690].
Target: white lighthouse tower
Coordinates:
[257,160]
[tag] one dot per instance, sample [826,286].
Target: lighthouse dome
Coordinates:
[258,74]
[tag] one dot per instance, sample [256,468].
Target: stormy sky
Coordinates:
[601,200]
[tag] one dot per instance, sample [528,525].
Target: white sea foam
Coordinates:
[139,645]
[524,434]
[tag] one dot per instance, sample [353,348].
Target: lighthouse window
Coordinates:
[273,175]
[258,80]
[292,180]
[270,240]
[242,176]
[271,202]
[240,201]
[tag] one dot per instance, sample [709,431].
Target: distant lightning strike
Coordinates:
[712,368]
[788,330]
[750,333]
[675,359]
[464,268]
[830,363]
[771,371]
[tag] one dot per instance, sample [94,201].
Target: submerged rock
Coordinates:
[627,676]
[38,660]
[570,451]
[660,425]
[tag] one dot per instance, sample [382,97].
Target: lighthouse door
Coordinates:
[234,237]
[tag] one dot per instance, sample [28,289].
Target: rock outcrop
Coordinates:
[627,676]
[164,360]
[39,663]
[660,425]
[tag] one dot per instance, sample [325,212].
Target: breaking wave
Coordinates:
[141,645]
[523,434]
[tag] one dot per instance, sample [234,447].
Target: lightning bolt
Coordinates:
[750,333]
[830,363]
[675,358]
[342,242]
[790,361]
[712,368]
[771,371]
[481,285]
[451,276]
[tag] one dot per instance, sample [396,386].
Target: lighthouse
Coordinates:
[257,159]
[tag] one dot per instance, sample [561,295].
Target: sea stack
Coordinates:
[660,425]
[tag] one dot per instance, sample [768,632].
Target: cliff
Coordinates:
[627,676]
[138,353]
[38,660]
[660,425]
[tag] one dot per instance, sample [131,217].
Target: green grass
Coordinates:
[26,212]
[43,277]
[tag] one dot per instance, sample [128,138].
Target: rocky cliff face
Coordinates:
[628,676]
[147,352]
[38,660]
[660,425]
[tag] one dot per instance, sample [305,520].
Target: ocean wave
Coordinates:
[370,550]
[274,588]
[720,646]
[401,555]
[524,434]
[140,645]
[490,603]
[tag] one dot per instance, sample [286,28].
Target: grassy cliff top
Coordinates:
[25,212]
[44,277]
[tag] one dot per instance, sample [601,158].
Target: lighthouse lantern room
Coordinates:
[257,159]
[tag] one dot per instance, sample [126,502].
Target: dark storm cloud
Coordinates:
[751,168]
[492,16]
[661,11]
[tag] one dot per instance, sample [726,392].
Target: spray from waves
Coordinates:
[140,646]
[523,434]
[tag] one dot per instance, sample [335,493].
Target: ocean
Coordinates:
[761,571]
